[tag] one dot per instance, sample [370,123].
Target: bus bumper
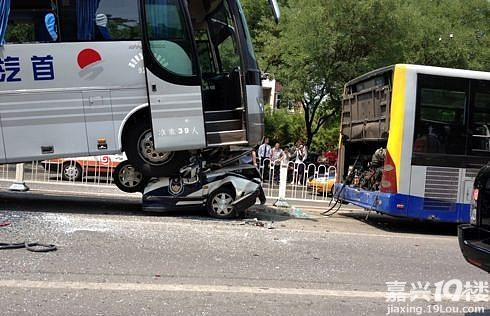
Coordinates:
[403,205]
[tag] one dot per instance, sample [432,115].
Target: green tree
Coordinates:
[447,33]
[322,44]
[255,11]
[283,126]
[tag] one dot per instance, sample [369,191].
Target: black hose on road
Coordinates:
[33,247]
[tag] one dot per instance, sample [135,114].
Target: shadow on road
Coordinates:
[38,202]
[404,225]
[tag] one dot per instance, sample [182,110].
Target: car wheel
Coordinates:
[71,171]
[220,204]
[129,179]
[141,153]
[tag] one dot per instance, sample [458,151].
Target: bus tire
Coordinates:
[142,154]
[129,179]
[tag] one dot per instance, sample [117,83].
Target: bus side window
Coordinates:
[32,21]
[480,117]
[117,20]
[440,125]
[102,20]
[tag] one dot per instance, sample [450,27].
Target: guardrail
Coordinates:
[304,182]
[75,171]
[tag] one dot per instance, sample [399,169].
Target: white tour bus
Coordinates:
[156,79]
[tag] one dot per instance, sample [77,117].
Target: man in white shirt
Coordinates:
[276,154]
[264,153]
[264,150]
[301,155]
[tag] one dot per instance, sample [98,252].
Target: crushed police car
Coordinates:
[225,192]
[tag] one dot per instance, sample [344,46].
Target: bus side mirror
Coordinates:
[276,10]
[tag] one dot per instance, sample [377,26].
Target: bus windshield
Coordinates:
[248,37]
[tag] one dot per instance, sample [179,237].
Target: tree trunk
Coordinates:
[309,137]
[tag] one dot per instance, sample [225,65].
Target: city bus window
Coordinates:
[441,116]
[169,36]
[480,120]
[32,21]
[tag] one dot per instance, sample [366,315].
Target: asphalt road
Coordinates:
[113,259]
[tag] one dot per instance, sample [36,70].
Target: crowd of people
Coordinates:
[270,158]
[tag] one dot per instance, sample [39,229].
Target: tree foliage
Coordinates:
[283,126]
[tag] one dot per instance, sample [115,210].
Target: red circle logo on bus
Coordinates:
[88,57]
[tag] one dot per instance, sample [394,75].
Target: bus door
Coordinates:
[222,66]
[173,81]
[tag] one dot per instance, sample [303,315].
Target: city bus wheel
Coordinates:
[141,152]
[129,179]
[219,204]
[71,171]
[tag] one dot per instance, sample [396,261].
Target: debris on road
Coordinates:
[256,222]
[298,213]
[253,222]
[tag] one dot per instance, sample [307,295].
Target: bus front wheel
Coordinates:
[141,152]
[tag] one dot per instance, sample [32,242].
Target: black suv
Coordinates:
[474,238]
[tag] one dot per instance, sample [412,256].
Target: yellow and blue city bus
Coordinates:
[432,125]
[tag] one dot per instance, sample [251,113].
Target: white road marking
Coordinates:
[161,287]
[140,287]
